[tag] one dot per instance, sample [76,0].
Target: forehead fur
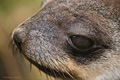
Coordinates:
[108,8]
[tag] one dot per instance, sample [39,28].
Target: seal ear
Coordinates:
[45,2]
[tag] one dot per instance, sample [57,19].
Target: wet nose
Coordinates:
[17,39]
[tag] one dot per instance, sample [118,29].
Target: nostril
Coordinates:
[17,39]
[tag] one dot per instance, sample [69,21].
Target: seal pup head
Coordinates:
[73,39]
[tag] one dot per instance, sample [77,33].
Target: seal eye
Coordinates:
[80,42]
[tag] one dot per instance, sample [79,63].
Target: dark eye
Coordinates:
[80,42]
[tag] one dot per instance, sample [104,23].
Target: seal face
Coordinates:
[73,39]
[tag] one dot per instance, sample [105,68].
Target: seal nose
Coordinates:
[17,39]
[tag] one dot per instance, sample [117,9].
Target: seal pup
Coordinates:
[73,39]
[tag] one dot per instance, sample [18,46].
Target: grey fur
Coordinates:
[45,35]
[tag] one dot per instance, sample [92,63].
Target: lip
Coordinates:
[51,72]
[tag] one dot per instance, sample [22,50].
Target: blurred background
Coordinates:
[13,67]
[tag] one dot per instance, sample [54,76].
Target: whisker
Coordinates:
[10,34]
[63,63]
[46,71]
[10,44]
[66,70]
[50,68]
[39,71]
[42,66]
[47,77]
[62,66]
[30,66]
[21,56]
[50,78]
[53,72]
[57,69]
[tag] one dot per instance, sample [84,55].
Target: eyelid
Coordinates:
[71,43]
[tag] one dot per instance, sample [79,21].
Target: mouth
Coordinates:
[51,72]
[46,69]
